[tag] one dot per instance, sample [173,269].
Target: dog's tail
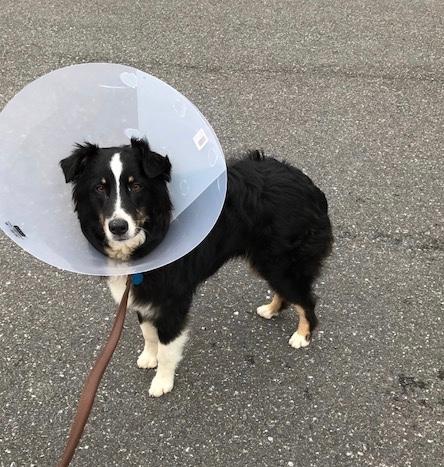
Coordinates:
[255,154]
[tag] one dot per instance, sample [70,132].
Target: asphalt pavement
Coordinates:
[352,92]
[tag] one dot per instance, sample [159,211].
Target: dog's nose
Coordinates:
[118,226]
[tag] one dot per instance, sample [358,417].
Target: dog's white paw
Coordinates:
[161,385]
[147,360]
[298,340]
[266,311]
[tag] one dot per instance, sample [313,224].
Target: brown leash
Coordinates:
[93,380]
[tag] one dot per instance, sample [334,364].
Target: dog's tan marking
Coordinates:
[123,250]
[103,181]
[102,220]
[272,309]
[131,179]
[304,325]
[301,338]
[141,216]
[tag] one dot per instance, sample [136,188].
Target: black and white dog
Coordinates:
[273,216]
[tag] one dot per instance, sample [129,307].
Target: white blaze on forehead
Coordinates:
[116,168]
[122,248]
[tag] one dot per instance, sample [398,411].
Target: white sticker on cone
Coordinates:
[200,139]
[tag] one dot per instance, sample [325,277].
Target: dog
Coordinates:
[273,216]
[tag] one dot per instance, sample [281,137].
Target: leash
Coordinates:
[93,380]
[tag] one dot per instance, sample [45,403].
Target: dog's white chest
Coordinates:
[117,285]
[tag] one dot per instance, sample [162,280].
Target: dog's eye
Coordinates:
[100,188]
[135,187]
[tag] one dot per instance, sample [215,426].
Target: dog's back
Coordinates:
[275,200]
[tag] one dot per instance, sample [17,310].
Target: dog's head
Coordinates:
[121,196]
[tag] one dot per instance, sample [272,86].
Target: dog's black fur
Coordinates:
[273,216]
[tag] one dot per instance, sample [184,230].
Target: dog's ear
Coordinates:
[73,165]
[153,164]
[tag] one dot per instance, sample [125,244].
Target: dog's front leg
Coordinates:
[148,357]
[168,357]
[170,324]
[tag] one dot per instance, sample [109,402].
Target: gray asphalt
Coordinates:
[350,91]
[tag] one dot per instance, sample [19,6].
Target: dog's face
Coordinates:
[121,196]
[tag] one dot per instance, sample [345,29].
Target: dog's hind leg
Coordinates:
[271,309]
[299,293]
[148,357]
[307,322]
